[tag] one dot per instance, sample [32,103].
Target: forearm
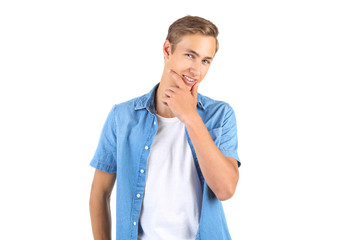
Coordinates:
[100,217]
[219,173]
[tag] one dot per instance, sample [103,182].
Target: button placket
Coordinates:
[142,171]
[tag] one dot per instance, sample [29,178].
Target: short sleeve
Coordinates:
[229,140]
[105,154]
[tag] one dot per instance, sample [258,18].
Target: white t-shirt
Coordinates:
[173,195]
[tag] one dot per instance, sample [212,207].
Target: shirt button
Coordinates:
[134,223]
[142,170]
[154,123]
[138,195]
[146,147]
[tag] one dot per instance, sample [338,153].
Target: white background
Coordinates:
[290,70]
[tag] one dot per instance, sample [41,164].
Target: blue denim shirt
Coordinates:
[124,147]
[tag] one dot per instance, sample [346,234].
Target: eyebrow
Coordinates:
[197,54]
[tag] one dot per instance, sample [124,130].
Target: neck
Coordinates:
[162,109]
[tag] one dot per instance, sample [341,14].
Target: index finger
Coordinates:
[178,79]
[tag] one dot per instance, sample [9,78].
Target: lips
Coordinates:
[189,80]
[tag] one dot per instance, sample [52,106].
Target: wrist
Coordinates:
[192,120]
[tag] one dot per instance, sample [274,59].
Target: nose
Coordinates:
[195,69]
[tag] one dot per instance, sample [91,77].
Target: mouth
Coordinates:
[188,80]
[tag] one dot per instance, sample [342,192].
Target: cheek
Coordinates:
[179,64]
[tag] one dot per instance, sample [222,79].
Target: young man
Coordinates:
[173,151]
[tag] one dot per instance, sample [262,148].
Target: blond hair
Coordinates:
[191,25]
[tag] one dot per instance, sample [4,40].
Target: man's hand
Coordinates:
[180,100]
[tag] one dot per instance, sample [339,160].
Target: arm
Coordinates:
[221,173]
[100,213]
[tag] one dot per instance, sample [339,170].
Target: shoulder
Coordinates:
[214,113]
[211,104]
[129,104]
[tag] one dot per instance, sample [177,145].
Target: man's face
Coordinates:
[191,59]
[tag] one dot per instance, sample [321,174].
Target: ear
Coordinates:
[167,49]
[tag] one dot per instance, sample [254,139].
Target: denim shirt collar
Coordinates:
[147,101]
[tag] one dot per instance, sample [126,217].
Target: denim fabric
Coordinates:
[124,147]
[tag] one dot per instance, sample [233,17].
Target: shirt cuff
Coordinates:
[229,153]
[102,166]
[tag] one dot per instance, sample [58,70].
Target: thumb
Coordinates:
[194,90]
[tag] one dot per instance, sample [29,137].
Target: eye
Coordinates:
[189,55]
[206,61]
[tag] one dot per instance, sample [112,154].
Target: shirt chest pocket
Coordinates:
[215,134]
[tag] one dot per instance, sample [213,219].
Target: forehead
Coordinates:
[204,45]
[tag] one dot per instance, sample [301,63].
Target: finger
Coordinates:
[194,90]
[169,93]
[178,79]
[164,100]
[174,89]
